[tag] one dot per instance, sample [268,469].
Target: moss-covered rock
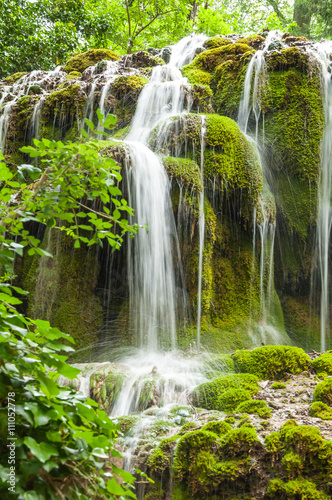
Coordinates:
[74,74]
[186,171]
[15,77]
[106,385]
[128,87]
[256,406]
[226,392]
[323,392]
[320,410]
[89,58]
[298,489]
[293,133]
[272,362]
[322,365]
[216,41]
[142,59]
[278,385]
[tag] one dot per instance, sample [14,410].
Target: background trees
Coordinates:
[40,34]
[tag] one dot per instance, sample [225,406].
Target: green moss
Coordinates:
[297,203]
[322,365]
[128,86]
[230,399]
[211,395]
[127,423]
[302,322]
[74,74]
[323,392]
[292,464]
[220,428]
[238,442]
[196,76]
[191,445]
[274,443]
[298,489]
[227,84]
[286,58]
[272,362]
[293,133]
[89,58]
[256,406]
[210,59]
[189,426]
[158,461]
[219,363]
[231,158]
[15,77]
[186,171]
[278,385]
[62,107]
[216,41]
[61,289]
[320,410]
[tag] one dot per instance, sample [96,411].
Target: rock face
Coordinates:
[259,270]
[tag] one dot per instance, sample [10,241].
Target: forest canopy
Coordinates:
[41,34]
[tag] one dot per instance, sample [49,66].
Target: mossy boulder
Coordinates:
[256,406]
[128,87]
[322,365]
[299,489]
[226,392]
[15,77]
[89,58]
[74,74]
[210,59]
[106,384]
[293,133]
[272,362]
[142,59]
[323,392]
[216,41]
[186,172]
[229,158]
[320,410]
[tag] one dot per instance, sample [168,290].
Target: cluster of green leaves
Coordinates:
[68,177]
[64,446]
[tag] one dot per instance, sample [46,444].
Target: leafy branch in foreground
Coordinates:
[61,445]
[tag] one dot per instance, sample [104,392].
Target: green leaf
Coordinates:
[42,451]
[49,387]
[114,488]
[90,124]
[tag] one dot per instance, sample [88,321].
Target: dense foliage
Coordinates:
[40,34]
[54,443]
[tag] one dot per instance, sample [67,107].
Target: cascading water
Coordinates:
[201,237]
[322,55]
[152,277]
[251,103]
[151,263]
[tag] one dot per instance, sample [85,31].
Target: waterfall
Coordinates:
[152,280]
[12,93]
[253,90]
[324,220]
[201,237]
[150,260]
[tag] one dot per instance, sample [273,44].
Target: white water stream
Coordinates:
[201,236]
[254,87]
[322,55]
